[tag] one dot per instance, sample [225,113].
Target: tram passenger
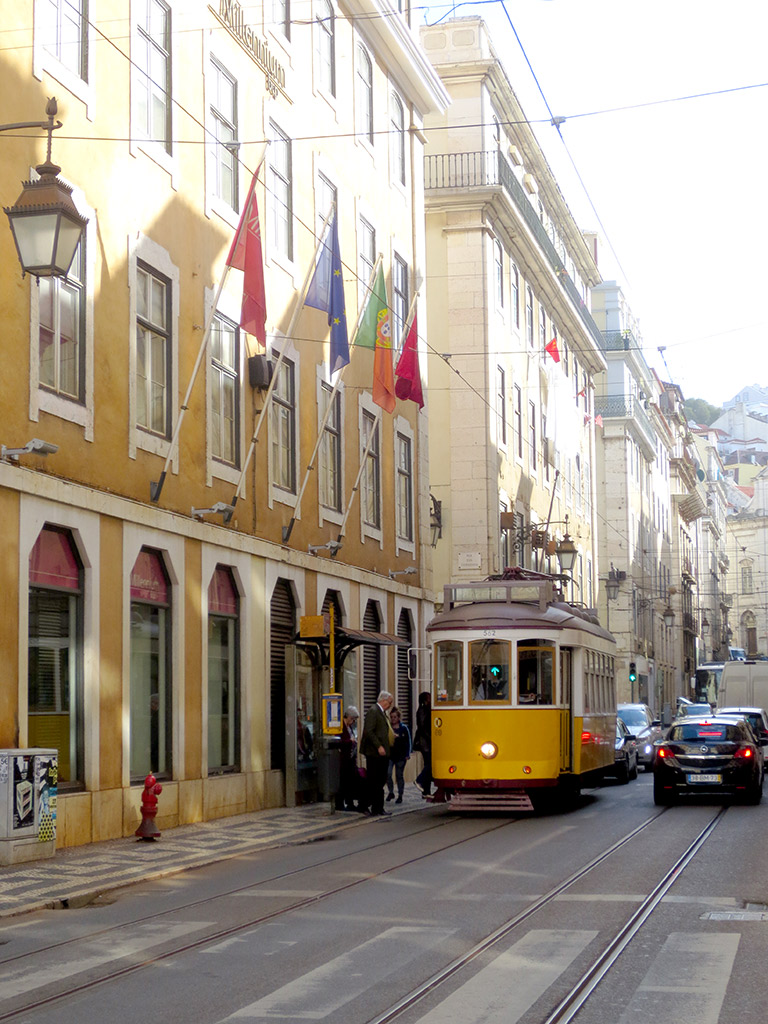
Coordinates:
[422,741]
[398,755]
[375,746]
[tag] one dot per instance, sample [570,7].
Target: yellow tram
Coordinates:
[524,694]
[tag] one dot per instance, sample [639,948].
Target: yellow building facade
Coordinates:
[155,567]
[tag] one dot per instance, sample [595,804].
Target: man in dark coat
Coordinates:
[375,747]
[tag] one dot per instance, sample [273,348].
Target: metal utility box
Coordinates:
[28,782]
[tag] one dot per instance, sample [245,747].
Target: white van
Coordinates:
[744,684]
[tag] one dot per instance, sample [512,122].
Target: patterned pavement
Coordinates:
[84,872]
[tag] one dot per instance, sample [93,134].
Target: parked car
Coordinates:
[639,719]
[625,754]
[757,718]
[716,755]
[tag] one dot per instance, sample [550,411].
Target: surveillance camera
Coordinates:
[221,507]
[41,447]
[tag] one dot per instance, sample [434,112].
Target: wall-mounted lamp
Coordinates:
[33,447]
[435,520]
[44,220]
[219,509]
[566,551]
[669,616]
[333,546]
[613,583]
[403,572]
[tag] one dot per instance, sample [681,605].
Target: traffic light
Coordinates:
[632,672]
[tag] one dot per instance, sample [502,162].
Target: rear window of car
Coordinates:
[707,732]
[633,716]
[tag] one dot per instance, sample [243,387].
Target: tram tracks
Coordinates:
[564,1012]
[570,1005]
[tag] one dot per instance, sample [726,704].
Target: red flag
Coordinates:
[598,420]
[245,254]
[552,350]
[408,384]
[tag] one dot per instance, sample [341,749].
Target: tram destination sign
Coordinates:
[231,13]
[535,592]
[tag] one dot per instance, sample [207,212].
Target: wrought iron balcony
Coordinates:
[488,169]
[626,407]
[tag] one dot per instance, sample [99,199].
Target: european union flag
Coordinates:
[326,292]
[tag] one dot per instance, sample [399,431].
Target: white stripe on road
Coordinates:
[136,941]
[687,980]
[509,986]
[326,989]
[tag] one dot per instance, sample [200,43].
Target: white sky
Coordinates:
[680,188]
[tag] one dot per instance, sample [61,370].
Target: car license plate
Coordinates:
[693,779]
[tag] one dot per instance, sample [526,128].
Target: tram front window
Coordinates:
[489,663]
[535,678]
[448,676]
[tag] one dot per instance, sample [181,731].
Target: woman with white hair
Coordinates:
[349,795]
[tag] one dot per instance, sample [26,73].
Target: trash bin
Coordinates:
[28,780]
[329,768]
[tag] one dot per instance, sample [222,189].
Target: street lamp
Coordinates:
[566,551]
[44,220]
[669,616]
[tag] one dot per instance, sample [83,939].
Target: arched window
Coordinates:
[55,670]
[364,95]
[282,628]
[223,673]
[151,708]
[371,657]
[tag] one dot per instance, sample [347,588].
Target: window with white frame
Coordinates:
[746,579]
[404,492]
[325,46]
[64,27]
[366,257]
[62,330]
[281,17]
[152,72]
[222,91]
[532,436]
[370,491]
[280,192]
[517,411]
[364,80]
[329,475]
[529,316]
[542,327]
[225,390]
[501,404]
[153,351]
[283,428]
[325,200]
[397,138]
[400,299]
[498,270]
[514,294]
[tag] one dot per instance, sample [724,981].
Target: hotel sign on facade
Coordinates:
[231,13]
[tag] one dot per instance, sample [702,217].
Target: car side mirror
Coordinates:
[656,721]
[631,736]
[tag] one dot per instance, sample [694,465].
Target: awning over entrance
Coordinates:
[347,640]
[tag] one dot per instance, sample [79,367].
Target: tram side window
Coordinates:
[489,661]
[448,675]
[535,674]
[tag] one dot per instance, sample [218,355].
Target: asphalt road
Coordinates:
[381,918]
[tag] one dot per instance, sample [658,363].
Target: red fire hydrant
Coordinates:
[148,829]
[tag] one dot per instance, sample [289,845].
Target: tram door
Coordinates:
[303,727]
[566,719]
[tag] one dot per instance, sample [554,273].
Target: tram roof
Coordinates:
[511,605]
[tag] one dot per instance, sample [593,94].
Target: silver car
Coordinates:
[647,729]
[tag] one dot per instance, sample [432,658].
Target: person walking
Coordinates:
[375,747]
[422,741]
[398,755]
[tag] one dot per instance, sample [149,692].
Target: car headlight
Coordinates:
[489,750]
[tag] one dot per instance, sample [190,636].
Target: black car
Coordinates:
[625,754]
[717,755]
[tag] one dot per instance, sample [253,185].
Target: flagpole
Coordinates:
[407,321]
[287,337]
[365,455]
[287,530]
[156,487]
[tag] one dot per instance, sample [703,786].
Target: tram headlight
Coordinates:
[489,750]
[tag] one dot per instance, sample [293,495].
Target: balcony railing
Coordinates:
[626,407]
[486,169]
[619,341]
